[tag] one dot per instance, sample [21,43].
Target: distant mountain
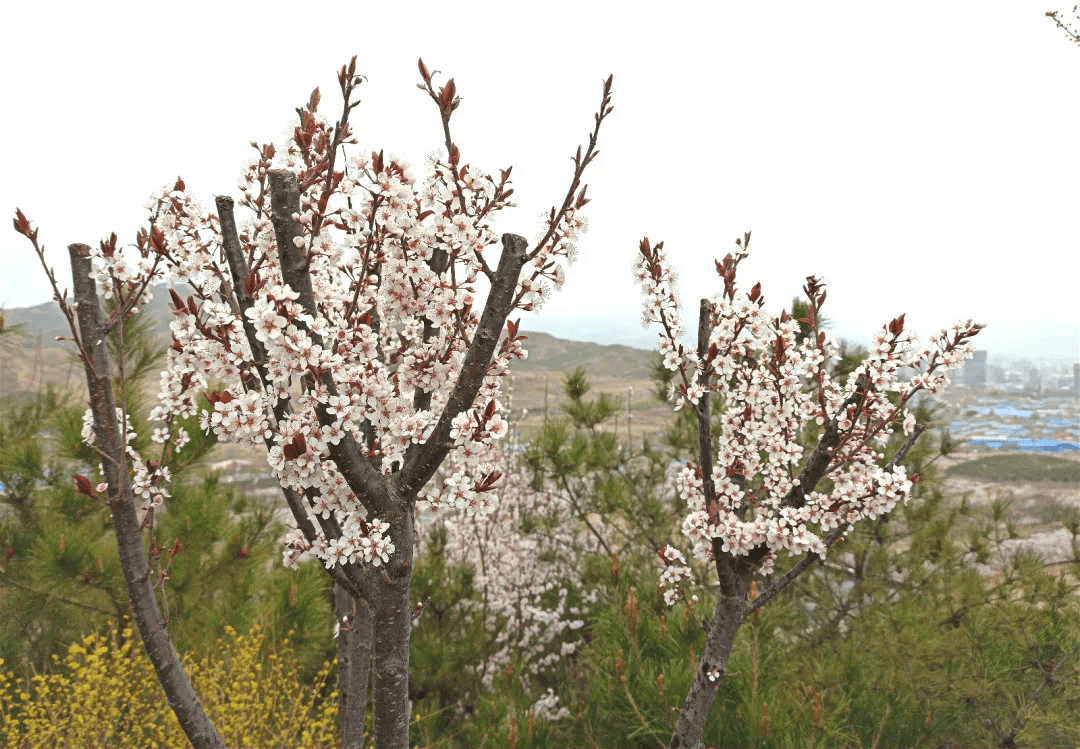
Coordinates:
[615,361]
[622,349]
[548,354]
[47,320]
[1049,339]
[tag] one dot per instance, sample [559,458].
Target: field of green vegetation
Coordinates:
[1019,467]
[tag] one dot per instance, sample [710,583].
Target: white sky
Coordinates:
[921,161]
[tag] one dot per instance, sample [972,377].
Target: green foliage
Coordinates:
[132,345]
[10,335]
[449,639]
[1027,467]
[60,569]
[876,647]
[598,475]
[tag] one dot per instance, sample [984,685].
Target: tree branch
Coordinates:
[421,461]
[364,481]
[830,539]
[167,665]
[47,595]
[347,576]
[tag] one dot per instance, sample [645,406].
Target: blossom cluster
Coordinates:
[359,542]
[548,708]
[764,370]
[528,617]
[391,318]
[673,573]
[148,478]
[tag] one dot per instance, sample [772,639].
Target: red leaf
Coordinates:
[83,485]
[300,443]
[108,248]
[226,397]
[644,248]
[21,222]
[179,187]
[423,70]
[896,326]
[446,97]
[157,240]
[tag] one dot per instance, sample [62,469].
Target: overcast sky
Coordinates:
[921,160]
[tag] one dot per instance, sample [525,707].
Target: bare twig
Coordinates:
[1067,27]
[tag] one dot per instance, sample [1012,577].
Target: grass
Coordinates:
[1019,467]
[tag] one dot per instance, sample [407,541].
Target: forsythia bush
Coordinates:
[105,694]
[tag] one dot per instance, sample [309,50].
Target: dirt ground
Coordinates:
[1035,507]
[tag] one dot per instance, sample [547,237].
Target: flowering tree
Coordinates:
[747,501]
[343,338]
[531,597]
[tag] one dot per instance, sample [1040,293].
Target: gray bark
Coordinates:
[346,576]
[356,628]
[718,641]
[170,672]
[393,625]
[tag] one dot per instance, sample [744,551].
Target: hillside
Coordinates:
[611,368]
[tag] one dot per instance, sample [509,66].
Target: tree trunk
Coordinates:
[354,664]
[718,641]
[170,672]
[393,623]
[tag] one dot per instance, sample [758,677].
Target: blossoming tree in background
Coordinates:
[337,327]
[747,500]
[521,577]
